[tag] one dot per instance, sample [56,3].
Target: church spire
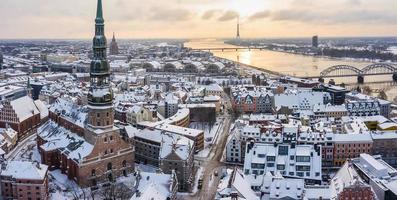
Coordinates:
[100,95]
[99,13]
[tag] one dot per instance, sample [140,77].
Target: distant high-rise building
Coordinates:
[315,41]
[114,48]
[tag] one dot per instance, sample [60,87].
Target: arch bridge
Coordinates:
[347,71]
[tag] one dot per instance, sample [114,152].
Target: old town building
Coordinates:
[24,180]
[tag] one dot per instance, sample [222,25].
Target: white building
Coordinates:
[298,161]
[300,99]
[155,186]
[233,148]
[378,174]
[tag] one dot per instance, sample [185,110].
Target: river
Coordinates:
[287,63]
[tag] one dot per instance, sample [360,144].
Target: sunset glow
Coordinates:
[200,18]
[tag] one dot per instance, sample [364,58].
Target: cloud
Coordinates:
[353,2]
[333,17]
[209,14]
[228,15]
[260,15]
[172,14]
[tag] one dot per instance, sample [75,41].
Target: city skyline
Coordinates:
[42,19]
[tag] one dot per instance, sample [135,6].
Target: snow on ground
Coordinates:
[199,173]
[211,180]
[61,187]
[210,134]
[29,152]
[145,168]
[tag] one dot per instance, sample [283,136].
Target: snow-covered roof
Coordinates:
[43,109]
[70,111]
[25,170]
[153,186]
[239,183]
[24,108]
[59,138]
[353,138]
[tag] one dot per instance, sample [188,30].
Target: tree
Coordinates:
[115,192]
[382,95]
[367,90]
[358,89]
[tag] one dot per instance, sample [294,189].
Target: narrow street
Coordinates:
[213,163]
[11,155]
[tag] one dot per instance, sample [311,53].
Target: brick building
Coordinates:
[348,146]
[24,180]
[23,115]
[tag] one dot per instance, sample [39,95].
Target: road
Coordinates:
[213,163]
[21,144]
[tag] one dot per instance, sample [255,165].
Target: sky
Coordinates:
[74,19]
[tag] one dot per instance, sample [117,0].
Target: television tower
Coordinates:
[238,29]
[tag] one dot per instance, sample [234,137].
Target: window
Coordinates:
[270,158]
[283,150]
[302,168]
[93,172]
[302,158]
[124,164]
[299,174]
[280,167]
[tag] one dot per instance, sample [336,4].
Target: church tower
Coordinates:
[114,48]
[100,95]
[111,156]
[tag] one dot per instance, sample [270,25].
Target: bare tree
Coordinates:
[367,90]
[115,192]
[77,193]
[382,95]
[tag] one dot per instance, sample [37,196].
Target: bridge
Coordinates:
[229,49]
[349,71]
